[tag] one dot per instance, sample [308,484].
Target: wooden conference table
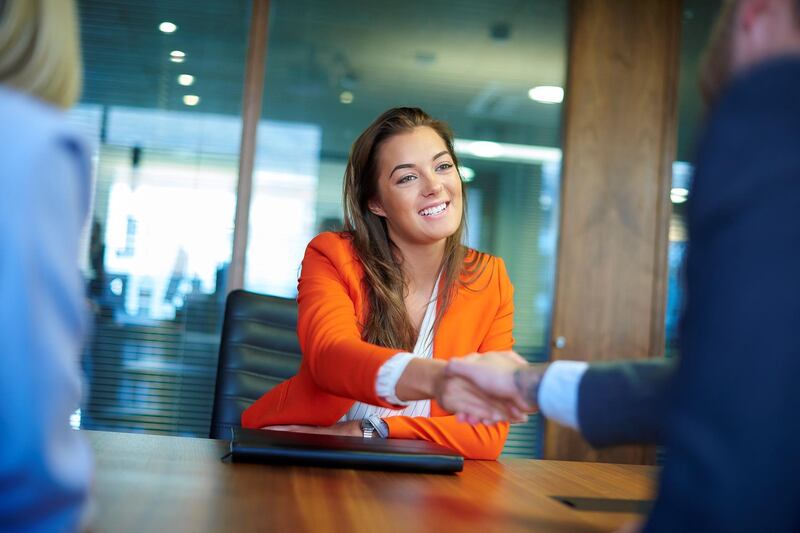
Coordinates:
[157,483]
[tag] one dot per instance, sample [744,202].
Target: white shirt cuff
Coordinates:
[558,392]
[388,376]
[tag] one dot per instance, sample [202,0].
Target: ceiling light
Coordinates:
[486,149]
[176,56]
[521,153]
[547,94]
[677,199]
[185,79]
[346,97]
[167,27]
[678,195]
[467,174]
[191,99]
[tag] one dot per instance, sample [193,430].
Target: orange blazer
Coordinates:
[338,367]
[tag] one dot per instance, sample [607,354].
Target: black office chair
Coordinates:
[258,350]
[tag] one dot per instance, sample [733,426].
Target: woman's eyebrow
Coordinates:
[404,165]
[411,165]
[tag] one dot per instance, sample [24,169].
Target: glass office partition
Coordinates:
[333,67]
[161,105]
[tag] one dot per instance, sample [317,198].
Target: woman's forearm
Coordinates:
[418,380]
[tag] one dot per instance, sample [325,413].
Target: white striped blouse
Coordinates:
[390,373]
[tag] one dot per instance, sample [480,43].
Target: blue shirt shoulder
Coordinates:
[45,466]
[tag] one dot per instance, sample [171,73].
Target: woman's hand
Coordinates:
[351,428]
[495,380]
[472,405]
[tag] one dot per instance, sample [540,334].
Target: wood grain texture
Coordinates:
[157,483]
[255,67]
[618,150]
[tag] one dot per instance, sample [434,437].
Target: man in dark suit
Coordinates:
[728,412]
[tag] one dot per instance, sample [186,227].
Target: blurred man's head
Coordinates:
[748,32]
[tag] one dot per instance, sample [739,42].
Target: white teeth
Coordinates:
[433,210]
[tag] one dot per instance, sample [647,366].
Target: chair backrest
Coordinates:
[258,350]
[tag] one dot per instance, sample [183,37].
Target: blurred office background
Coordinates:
[162,105]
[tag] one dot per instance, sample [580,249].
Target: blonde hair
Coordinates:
[40,49]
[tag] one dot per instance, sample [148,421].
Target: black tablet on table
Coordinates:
[290,448]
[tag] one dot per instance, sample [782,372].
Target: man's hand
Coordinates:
[351,428]
[471,405]
[505,377]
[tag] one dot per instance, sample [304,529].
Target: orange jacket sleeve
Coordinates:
[473,442]
[339,362]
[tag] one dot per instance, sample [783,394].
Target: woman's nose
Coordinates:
[433,185]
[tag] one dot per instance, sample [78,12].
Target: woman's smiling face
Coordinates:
[418,188]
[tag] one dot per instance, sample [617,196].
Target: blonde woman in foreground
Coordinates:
[45,467]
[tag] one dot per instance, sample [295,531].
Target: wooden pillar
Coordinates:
[620,137]
[255,67]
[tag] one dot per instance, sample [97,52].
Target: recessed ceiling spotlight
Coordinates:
[346,97]
[167,27]
[185,79]
[677,199]
[176,56]
[191,99]
[547,94]
[678,195]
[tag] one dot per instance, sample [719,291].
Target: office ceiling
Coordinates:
[470,62]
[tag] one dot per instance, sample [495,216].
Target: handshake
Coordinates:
[489,388]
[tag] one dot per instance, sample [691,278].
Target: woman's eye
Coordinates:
[406,179]
[445,166]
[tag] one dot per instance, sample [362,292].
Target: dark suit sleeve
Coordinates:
[622,403]
[733,445]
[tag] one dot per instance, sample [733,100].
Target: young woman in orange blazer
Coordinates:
[384,304]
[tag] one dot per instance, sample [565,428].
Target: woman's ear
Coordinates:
[376,208]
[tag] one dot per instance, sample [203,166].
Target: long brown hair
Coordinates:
[387,322]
